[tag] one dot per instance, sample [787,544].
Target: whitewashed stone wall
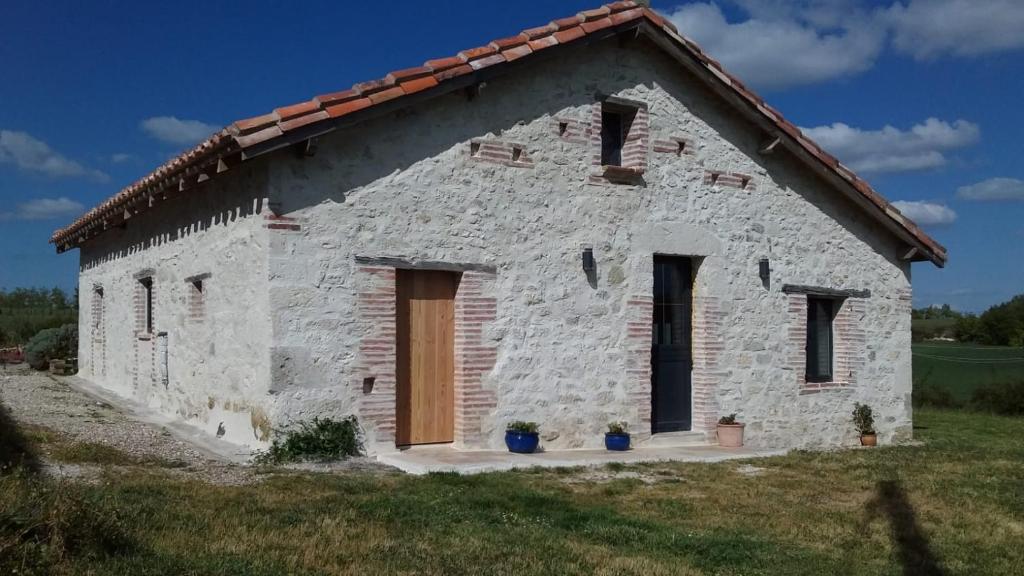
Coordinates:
[217,361]
[431,185]
[298,304]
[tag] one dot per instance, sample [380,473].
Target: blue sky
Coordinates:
[922,97]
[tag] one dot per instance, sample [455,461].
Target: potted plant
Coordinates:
[617,438]
[864,421]
[730,432]
[522,437]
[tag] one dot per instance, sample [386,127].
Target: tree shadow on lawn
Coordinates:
[914,553]
[15,450]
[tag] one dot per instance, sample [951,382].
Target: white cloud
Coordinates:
[893,150]
[781,43]
[31,154]
[176,131]
[926,213]
[930,28]
[783,46]
[44,209]
[120,157]
[993,189]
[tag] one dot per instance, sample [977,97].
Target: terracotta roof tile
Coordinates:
[258,129]
[569,34]
[440,64]
[333,98]
[289,112]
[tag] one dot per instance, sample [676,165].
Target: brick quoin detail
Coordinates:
[729,180]
[639,318]
[377,351]
[678,145]
[797,336]
[573,131]
[475,309]
[499,152]
[144,344]
[98,348]
[196,302]
[284,223]
[708,346]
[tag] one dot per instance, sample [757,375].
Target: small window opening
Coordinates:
[474,149]
[681,147]
[97,317]
[615,124]
[517,153]
[197,287]
[820,312]
[147,285]
[563,127]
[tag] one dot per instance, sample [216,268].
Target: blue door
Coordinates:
[671,358]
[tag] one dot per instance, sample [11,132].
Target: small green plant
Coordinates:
[728,420]
[50,344]
[863,419]
[320,440]
[618,427]
[520,427]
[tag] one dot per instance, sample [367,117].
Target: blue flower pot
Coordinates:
[618,442]
[521,442]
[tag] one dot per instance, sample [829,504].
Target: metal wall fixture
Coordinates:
[764,270]
[589,265]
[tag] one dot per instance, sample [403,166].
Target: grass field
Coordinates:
[954,505]
[962,368]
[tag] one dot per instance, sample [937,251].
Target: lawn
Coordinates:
[952,505]
[962,368]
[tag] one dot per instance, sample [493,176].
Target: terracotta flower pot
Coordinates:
[868,440]
[730,435]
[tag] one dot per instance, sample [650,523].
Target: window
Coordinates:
[612,138]
[147,302]
[820,312]
[97,307]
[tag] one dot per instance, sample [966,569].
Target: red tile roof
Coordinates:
[253,136]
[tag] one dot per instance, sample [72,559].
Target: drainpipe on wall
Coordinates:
[161,354]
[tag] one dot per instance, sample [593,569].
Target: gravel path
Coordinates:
[38,398]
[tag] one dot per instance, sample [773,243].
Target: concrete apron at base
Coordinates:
[427,459]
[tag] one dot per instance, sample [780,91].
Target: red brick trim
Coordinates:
[98,334]
[708,346]
[848,346]
[729,179]
[639,316]
[285,223]
[634,149]
[678,145]
[375,366]
[570,130]
[499,152]
[475,311]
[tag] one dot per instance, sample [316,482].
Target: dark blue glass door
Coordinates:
[671,359]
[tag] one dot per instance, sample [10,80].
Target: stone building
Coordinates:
[586,222]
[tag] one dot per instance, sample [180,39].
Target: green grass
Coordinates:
[963,368]
[956,503]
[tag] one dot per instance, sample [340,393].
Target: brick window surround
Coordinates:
[144,303]
[475,310]
[98,348]
[197,286]
[635,141]
[848,346]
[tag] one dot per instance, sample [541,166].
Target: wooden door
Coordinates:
[671,355]
[425,334]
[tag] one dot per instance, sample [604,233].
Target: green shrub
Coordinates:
[863,419]
[44,525]
[618,427]
[926,394]
[728,420]
[320,440]
[1006,398]
[520,427]
[50,344]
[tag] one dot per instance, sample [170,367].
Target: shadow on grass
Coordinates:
[914,553]
[15,450]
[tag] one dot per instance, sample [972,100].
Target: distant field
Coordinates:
[961,368]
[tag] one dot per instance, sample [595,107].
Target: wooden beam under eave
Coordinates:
[911,253]
[769,147]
